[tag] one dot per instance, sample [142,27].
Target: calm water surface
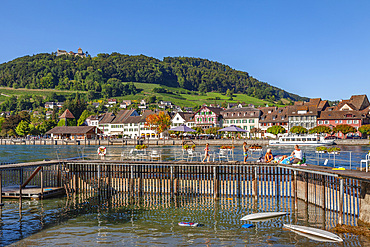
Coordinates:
[152,220]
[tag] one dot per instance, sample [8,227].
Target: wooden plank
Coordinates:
[32,176]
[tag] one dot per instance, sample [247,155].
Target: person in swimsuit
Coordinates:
[206,153]
[268,156]
[245,152]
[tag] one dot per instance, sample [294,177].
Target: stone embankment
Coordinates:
[108,142]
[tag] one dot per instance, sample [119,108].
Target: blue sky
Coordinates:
[311,48]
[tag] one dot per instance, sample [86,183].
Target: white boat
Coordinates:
[262,216]
[302,140]
[314,233]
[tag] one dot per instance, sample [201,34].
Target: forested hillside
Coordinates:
[102,76]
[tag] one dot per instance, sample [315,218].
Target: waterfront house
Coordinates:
[104,123]
[244,117]
[305,114]
[117,124]
[271,116]
[353,112]
[208,117]
[73,132]
[181,118]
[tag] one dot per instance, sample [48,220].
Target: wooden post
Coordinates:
[171,181]
[215,183]
[20,188]
[295,190]
[306,197]
[323,192]
[1,190]
[254,183]
[42,182]
[340,220]
[132,181]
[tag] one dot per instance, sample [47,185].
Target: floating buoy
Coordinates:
[102,150]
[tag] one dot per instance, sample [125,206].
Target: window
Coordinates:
[349,121]
[336,121]
[326,122]
[320,122]
[355,121]
[340,121]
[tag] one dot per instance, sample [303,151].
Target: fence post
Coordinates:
[1,190]
[132,180]
[171,181]
[20,188]
[254,183]
[295,190]
[306,192]
[215,183]
[323,192]
[341,192]
[42,182]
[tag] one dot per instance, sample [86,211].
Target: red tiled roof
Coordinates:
[67,114]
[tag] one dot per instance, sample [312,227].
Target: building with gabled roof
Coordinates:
[181,118]
[73,132]
[208,117]
[353,112]
[271,116]
[246,118]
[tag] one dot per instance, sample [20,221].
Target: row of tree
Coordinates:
[343,128]
[102,76]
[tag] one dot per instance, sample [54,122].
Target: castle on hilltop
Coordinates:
[79,53]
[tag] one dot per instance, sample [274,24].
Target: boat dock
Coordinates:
[346,192]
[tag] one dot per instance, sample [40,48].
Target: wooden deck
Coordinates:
[32,192]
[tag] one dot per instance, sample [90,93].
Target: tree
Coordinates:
[158,122]
[365,130]
[276,129]
[320,129]
[298,130]
[46,126]
[255,131]
[85,114]
[23,128]
[344,128]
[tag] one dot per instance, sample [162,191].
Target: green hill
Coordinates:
[108,75]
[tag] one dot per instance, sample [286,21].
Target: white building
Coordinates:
[181,118]
[246,118]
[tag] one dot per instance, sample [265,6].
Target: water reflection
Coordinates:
[153,220]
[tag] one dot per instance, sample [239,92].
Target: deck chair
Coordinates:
[366,161]
[224,153]
[192,154]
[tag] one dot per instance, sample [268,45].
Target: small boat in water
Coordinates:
[188,224]
[262,216]
[314,233]
[302,140]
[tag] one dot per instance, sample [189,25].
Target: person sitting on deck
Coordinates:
[297,154]
[268,156]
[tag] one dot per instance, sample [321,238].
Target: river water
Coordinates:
[152,220]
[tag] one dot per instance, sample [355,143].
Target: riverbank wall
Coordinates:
[122,142]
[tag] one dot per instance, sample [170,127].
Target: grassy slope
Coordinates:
[181,97]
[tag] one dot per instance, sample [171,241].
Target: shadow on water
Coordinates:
[153,220]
